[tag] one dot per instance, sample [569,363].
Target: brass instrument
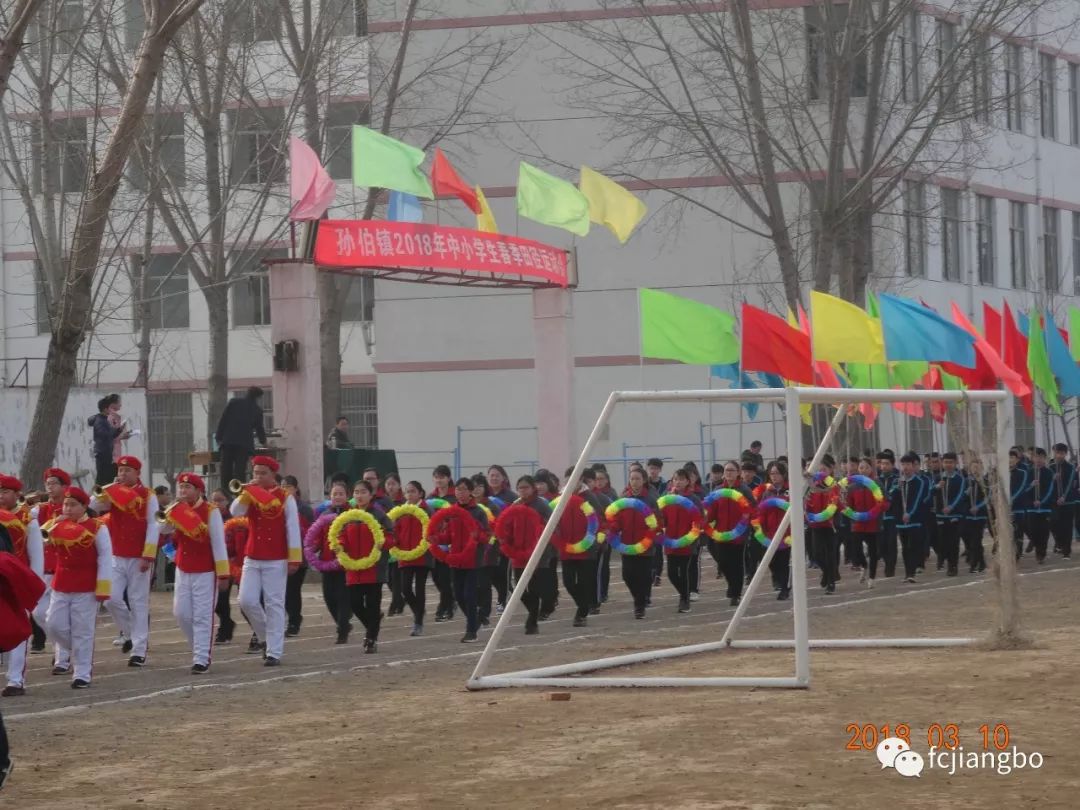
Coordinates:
[32,498]
[236,486]
[162,515]
[45,529]
[98,492]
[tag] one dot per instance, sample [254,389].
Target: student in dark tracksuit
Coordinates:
[443,490]
[770,518]
[910,505]
[723,515]
[517,531]
[1019,498]
[1042,504]
[547,488]
[977,518]
[1065,498]
[678,522]
[820,500]
[577,553]
[887,477]
[629,524]
[950,505]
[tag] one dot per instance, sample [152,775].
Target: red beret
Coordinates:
[266,461]
[129,461]
[77,494]
[10,482]
[193,479]
[59,475]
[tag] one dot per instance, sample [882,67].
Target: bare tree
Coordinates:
[72,315]
[17,21]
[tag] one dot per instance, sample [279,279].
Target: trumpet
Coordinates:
[98,492]
[236,486]
[46,528]
[162,515]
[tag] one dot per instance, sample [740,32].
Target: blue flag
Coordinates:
[731,373]
[404,208]
[1061,362]
[915,332]
[1023,323]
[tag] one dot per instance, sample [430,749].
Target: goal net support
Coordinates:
[570,675]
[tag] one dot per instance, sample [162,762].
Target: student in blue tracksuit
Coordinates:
[1065,497]
[910,505]
[931,533]
[887,477]
[977,516]
[1042,504]
[950,504]
[1019,498]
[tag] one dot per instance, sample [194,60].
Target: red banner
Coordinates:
[376,243]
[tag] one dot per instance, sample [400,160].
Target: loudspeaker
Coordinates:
[287,355]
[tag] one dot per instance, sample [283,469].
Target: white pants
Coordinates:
[61,654]
[194,598]
[71,620]
[266,578]
[133,618]
[16,658]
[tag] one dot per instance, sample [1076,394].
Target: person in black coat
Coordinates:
[240,423]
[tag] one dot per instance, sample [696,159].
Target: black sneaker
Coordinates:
[531,629]
[544,616]
[830,589]
[656,582]
[417,630]
[60,670]
[639,613]
[485,622]
[13,691]
[783,595]
[909,580]
[369,646]
[271,662]
[253,645]
[343,636]
[441,617]
[199,669]
[223,636]
[684,606]
[292,630]
[580,621]
[469,638]
[79,683]
[594,611]
[734,601]
[36,648]
[126,646]
[137,661]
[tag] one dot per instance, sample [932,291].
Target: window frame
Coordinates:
[1048,96]
[951,252]
[1018,263]
[1051,239]
[914,192]
[985,212]
[1014,94]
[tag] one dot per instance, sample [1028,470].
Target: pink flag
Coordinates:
[310,187]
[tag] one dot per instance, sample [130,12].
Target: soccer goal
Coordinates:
[570,675]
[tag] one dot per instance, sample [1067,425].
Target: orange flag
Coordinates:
[444,180]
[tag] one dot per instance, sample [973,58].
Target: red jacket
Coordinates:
[465,539]
[677,521]
[723,514]
[518,530]
[356,539]
[818,501]
[407,535]
[20,591]
[571,529]
[772,516]
[861,500]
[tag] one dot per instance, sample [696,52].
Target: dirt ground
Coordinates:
[334,727]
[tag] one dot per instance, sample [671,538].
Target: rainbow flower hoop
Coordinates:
[645,543]
[313,540]
[822,516]
[490,515]
[438,503]
[823,479]
[681,502]
[593,535]
[334,539]
[743,504]
[868,484]
[413,511]
[769,503]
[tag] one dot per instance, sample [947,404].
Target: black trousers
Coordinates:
[294,603]
[1038,529]
[484,581]
[678,571]
[658,560]
[911,544]
[887,546]
[754,553]
[637,574]
[224,613]
[730,560]
[972,534]
[444,581]
[872,554]
[233,463]
[501,581]
[38,634]
[853,548]
[1061,526]
[337,599]
[464,584]
[549,596]
[393,580]
[532,594]
[780,566]
[931,539]
[826,553]
[579,579]
[603,574]
[413,589]
[366,602]
[695,568]
[4,751]
[1020,525]
[105,472]
[949,543]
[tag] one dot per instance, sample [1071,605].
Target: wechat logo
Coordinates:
[894,752]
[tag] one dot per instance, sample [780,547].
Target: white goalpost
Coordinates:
[568,675]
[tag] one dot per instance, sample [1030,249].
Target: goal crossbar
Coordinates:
[791,398]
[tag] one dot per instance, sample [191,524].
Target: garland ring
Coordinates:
[334,539]
[593,535]
[759,534]
[739,529]
[441,516]
[866,483]
[314,538]
[644,544]
[682,502]
[413,511]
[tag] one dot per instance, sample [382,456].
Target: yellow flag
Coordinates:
[843,332]
[610,204]
[485,220]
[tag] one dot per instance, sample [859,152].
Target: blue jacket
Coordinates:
[104,435]
[913,498]
[952,494]
[1019,490]
[1043,497]
[1064,482]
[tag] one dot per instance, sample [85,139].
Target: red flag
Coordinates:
[1015,355]
[992,328]
[771,346]
[931,381]
[444,180]
[985,355]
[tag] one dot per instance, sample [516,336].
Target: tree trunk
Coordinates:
[21,16]
[217,305]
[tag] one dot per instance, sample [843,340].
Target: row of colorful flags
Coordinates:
[894,342]
[380,161]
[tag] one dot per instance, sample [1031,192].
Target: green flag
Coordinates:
[1039,363]
[674,328]
[379,161]
[1074,333]
[544,198]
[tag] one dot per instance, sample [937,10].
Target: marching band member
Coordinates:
[22,529]
[133,532]
[84,570]
[56,480]
[202,565]
[273,552]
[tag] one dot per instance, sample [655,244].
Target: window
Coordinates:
[1018,244]
[915,227]
[359,299]
[349,17]
[950,234]
[260,21]
[921,432]
[340,117]
[1014,100]
[1076,252]
[1024,426]
[948,89]
[69,25]
[134,24]
[170,431]
[360,16]
[251,288]
[1074,104]
[258,155]
[984,237]
[164,136]
[1048,95]
[980,80]
[59,156]
[1051,262]
[825,28]
[909,57]
[167,291]
[359,406]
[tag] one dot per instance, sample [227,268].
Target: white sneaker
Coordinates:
[694,596]
[119,640]
[862,575]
